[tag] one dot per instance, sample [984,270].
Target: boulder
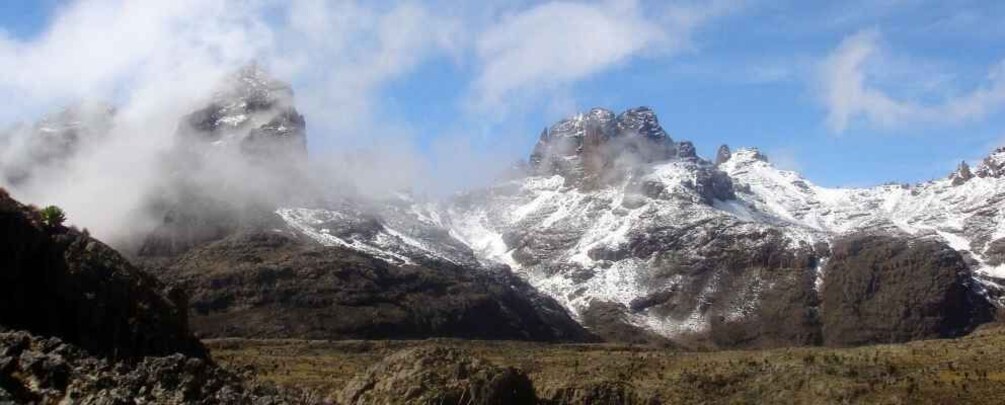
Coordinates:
[438,375]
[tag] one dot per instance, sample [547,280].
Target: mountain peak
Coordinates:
[961,174]
[993,165]
[253,111]
[722,154]
[749,155]
[587,146]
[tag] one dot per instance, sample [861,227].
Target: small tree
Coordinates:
[53,216]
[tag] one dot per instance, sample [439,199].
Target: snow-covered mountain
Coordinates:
[614,213]
[630,231]
[963,210]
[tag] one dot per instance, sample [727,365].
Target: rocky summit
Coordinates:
[249,129]
[632,231]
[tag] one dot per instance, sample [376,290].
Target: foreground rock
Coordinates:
[56,281]
[46,370]
[276,285]
[438,375]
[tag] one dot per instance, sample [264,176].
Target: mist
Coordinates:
[155,63]
[149,65]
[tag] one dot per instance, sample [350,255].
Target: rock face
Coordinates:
[735,253]
[993,165]
[47,370]
[883,289]
[961,175]
[254,113]
[596,147]
[56,281]
[438,375]
[276,285]
[723,154]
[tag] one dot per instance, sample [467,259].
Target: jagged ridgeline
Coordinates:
[615,227]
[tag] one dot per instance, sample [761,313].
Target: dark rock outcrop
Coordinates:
[255,113]
[754,290]
[993,165]
[56,281]
[887,289]
[438,375]
[722,154]
[596,147]
[961,175]
[273,284]
[49,371]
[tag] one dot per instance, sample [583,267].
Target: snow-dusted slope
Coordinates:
[967,215]
[682,245]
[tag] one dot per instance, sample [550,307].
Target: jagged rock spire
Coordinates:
[962,174]
[723,154]
[685,150]
[584,147]
[993,165]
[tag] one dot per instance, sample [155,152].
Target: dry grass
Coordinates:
[965,370]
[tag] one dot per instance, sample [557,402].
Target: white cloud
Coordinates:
[342,53]
[849,95]
[559,43]
[159,60]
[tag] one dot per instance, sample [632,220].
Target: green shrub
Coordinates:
[53,216]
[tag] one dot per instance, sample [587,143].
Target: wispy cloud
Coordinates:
[849,95]
[556,44]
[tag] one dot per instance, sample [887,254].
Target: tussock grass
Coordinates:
[964,370]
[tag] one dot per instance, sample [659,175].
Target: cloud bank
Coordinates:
[155,62]
[849,94]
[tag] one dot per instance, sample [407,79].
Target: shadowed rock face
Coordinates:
[60,282]
[272,284]
[885,289]
[438,375]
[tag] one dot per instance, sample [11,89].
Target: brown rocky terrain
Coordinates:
[276,284]
[884,289]
[943,371]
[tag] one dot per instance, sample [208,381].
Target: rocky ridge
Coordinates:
[621,224]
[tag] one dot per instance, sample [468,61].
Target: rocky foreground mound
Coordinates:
[35,369]
[81,325]
[438,375]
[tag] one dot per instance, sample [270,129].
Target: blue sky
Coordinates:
[849,93]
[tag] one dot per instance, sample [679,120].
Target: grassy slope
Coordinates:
[969,369]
